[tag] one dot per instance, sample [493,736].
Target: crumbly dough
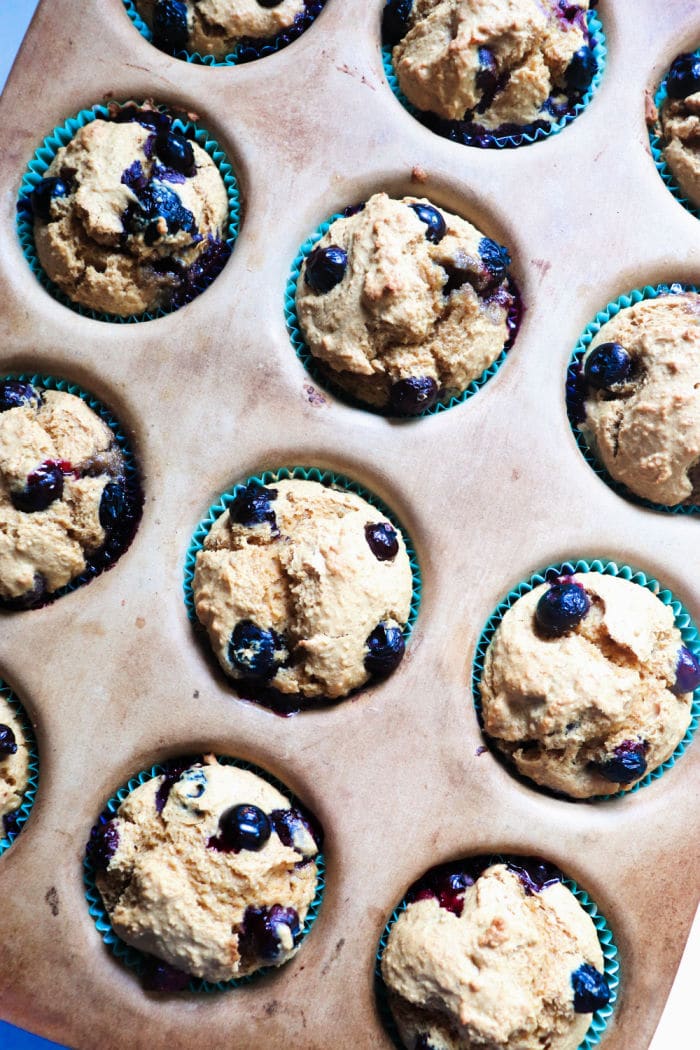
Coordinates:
[52,544]
[314,580]
[680,131]
[498,976]
[389,318]
[14,769]
[438,62]
[557,705]
[85,248]
[171,895]
[647,432]
[216,26]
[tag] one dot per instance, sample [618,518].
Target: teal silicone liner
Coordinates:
[325,477]
[309,362]
[21,814]
[132,472]
[657,147]
[524,138]
[43,157]
[682,619]
[589,333]
[134,959]
[607,944]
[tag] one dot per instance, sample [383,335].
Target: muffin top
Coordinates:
[304,589]
[208,868]
[497,63]
[402,302]
[642,376]
[587,685]
[14,764]
[215,27]
[680,125]
[496,961]
[131,215]
[63,493]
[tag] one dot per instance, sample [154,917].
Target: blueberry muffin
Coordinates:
[66,506]
[500,957]
[131,216]
[14,767]
[679,125]
[304,590]
[587,685]
[641,376]
[207,869]
[401,303]
[490,66]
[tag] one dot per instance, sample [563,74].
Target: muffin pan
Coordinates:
[112,675]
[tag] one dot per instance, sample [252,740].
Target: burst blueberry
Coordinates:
[176,152]
[411,396]
[159,211]
[435,223]
[395,18]
[44,193]
[14,394]
[114,507]
[495,257]
[295,830]
[626,764]
[561,608]
[581,70]
[44,485]
[255,652]
[591,990]
[382,540]
[325,268]
[103,844]
[607,365]
[385,649]
[244,827]
[252,506]
[8,743]
[683,77]
[687,672]
[170,25]
[268,934]
[534,874]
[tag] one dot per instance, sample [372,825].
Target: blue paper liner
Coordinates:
[21,814]
[131,470]
[657,147]
[36,171]
[325,380]
[524,137]
[241,55]
[608,947]
[575,390]
[682,619]
[136,960]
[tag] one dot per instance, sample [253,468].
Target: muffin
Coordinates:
[209,870]
[402,304]
[641,376]
[216,27]
[587,685]
[496,67]
[14,767]
[679,125]
[503,958]
[66,505]
[131,216]
[304,591]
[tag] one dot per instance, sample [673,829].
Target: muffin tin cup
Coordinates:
[324,378]
[523,137]
[132,957]
[36,171]
[657,147]
[605,936]
[575,390]
[21,814]
[682,619]
[270,46]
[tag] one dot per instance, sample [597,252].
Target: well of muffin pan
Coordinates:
[488,493]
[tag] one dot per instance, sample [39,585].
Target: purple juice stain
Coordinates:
[159,976]
[165,174]
[102,844]
[10,822]
[134,177]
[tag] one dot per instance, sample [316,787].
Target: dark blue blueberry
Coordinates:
[255,652]
[411,396]
[155,204]
[159,976]
[200,274]
[173,768]
[13,394]
[269,3]
[293,829]
[268,934]
[353,209]
[534,874]
[382,540]
[581,70]
[495,257]
[8,744]
[395,20]
[176,152]
[385,649]
[252,506]
[687,672]
[10,823]
[591,990]
[325,268]
[243,827]
[561,608]
[683,77]
[44,485]
[195,781]
[450,891]
[607,365]
[44,192]
[103,844]
[170,25]
[115,509]
[134,177]
[436,226]
[627,764]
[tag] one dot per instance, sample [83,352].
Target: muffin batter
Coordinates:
[14,764]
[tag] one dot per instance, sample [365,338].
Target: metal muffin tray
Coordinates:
[113,675]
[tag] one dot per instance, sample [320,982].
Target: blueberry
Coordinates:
[170,25]
[173,770]
[155,204]
[437,228]
[581,70]
[252,506]
[244,827]
[159,976]
[684,77]
[590,989]
[176,152]
[10,823]
[495,257]
[295,831]
[607,365]
[385,649]
[627,764]
[325,268]
[269,3]
[8,744]
[44,485]
[451,891]
[395,18]
[534,874]
[13,394]
[268,934]
[382,540]
[114,507]
[103,844]
[687,672]
[487,76]
[255,652]
[411,396]
[44,193]
[561,608]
